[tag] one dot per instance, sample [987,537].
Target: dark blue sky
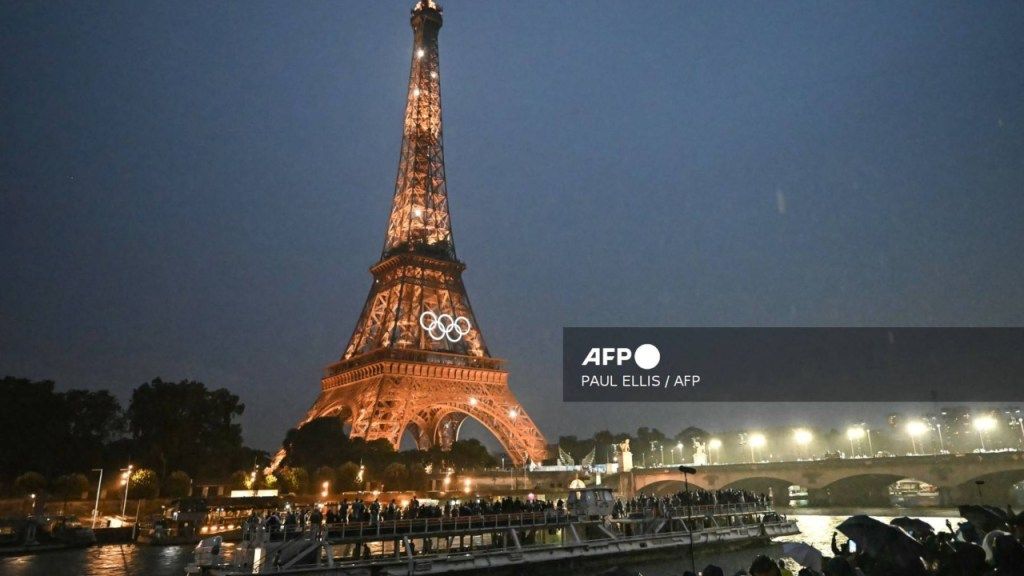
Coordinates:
[196,189]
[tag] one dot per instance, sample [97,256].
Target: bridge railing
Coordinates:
[415,526]
[708,509]
[408,526]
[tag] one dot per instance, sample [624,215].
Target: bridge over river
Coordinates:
[855,481]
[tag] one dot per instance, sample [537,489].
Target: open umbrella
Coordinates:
[884,543]
[919,529]
[804,554]
[985,518]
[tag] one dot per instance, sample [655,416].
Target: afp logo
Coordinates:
[646,356]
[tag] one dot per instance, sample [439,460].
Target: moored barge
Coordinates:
[586,533]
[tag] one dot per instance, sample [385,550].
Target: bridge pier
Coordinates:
[626,485]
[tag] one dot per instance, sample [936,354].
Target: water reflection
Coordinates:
[102,561]
[171,560]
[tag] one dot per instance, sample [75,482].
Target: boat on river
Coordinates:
[188,520]
[36,534]
[585,533]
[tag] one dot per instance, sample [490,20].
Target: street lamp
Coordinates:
[803,437]
[984,424]
[126,478]
[854,433]
[716,445]
[916,428]
[756,440]
[679,446]
[99,486]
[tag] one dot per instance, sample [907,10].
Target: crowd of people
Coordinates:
[301,519]
[693,497]
[989,543]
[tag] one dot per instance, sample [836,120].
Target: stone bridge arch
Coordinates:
[777,487]
[996,490]
[668,487]
[869,488]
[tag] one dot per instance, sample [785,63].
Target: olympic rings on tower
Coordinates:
[442,326]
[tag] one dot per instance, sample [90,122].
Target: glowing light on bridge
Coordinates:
[855,434]
[756,441]
[984,424]
[716,445]
[803,438]
[916,428]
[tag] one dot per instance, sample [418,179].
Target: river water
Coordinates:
[816,529]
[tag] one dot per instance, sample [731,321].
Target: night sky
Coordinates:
[196,189]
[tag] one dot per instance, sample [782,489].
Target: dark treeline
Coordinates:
[321,452]
[169,429]
[179,434]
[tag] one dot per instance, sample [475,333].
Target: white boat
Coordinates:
[586,532]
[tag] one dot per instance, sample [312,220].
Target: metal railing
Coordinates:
[703,509]
[411,526]
[414,526]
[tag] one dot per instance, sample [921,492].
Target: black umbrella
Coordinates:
[1018,520]
[884,543]
[985,518]
[919,529]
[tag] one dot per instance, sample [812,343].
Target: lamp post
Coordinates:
[915,428]
[99,486]
[126,478]
[1020,422]
[854,433]
[679,446]
[716,445]
[984,424]
[686,470]
[756,440]
[803,437]
[867,433]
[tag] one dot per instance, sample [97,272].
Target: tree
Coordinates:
[319,442]
[292,480]
[347,477]
[323,442]
[177,485]
[32,428]
[70,486]
[396,475]
[470,454]
[240,480]
[324,474]
[144,484]
[30,483]
[94,419]
[186,426]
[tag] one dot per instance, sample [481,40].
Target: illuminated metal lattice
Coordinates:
[395,376]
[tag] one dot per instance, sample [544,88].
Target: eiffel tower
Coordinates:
[417,361]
